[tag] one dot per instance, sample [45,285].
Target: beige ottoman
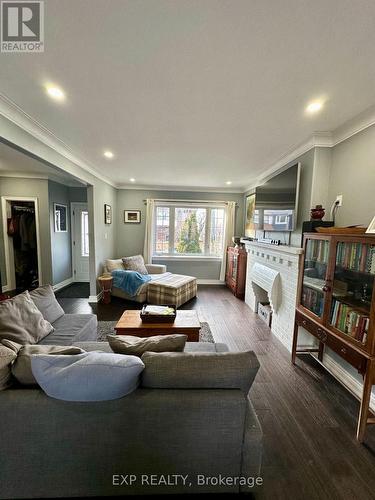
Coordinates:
[171,289]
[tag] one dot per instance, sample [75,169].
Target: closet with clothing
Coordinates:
[22,230]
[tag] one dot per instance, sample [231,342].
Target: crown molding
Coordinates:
[146,187]
[352,127]
[15,114]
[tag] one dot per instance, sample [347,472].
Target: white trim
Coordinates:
[94,299]
[195,189]
[187,258]
[210,282]
[73,206]
[345,378]
[63,284]
[352,127]
[4,200]
[5,289]
[14,113]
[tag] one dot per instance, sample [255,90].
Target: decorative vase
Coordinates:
[317,213]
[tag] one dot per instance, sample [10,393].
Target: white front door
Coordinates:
[80,241]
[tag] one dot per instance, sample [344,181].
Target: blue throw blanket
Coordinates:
[129,281]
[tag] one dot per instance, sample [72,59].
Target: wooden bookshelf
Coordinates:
[336,304]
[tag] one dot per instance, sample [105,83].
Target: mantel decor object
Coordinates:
[317,213]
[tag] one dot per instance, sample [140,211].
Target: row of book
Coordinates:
[313,300]
[349,321]
[356,257]
[317,250]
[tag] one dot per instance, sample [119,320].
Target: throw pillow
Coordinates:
[113,264]
[45,300]
[135,263]
[7,356]
[128,344]
[175,370]
[21,368]
[91,376]
[21,320]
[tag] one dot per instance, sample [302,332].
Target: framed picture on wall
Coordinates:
[61,222]
[249,216]
[107,214]
[132,216]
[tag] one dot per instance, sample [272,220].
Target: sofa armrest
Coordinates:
[156,268]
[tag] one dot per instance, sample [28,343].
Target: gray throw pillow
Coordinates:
[175,370]
[21,368]
[135,263]
[21,321]
[45,300]
[91,376]
[128,344]
[7,356]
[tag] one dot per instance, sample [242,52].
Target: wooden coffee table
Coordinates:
[186,322]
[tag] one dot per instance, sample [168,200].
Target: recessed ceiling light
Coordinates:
[228,183]
[132,179]
[108,154]
[55,92]
[314,107]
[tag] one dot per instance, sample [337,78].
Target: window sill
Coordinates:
[185,258]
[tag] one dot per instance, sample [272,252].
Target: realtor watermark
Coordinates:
[22,26]
[187,481]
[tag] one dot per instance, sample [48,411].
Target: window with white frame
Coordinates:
[85,233]
[190,230]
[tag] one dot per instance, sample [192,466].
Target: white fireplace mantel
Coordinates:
[281,265]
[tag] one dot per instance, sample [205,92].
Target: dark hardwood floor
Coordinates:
[308,418]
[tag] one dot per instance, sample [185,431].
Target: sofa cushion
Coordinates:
[91,376]
[21,368]
[129,344]
[135,263]
[190,370]
[7,356]
[73,328]
[21,320]
[113,264]
[45,300]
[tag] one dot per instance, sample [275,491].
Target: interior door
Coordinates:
[80,243]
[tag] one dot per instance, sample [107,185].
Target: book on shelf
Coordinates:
[356,257]
[317,250]
[349,320]
[313,300]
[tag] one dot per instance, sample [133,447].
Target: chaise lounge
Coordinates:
[164,287]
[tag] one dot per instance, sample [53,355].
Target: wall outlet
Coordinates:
[338,201]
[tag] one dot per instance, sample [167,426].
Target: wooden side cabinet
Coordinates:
[336,304]
[236,271]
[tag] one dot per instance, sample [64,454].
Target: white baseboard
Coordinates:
[63,284]
[94,299]
[5,288]
[345,378]
[210,282]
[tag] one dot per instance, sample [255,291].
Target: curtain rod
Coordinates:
[189,201]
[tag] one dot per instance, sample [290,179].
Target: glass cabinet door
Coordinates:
[314,275]
[352,289]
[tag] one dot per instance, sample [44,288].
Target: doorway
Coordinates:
[21,243]
[80,242]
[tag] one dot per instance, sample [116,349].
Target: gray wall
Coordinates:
[33,188]
[61,249]
[130,237]
[353,176]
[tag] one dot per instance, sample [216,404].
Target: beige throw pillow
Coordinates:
[135,263]
[21,368]
[113,265]
[21,321]
[7,356]
[128,344]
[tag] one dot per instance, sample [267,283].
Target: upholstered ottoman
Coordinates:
[171,289]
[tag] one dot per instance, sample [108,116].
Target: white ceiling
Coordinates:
[192,93]
[14,163]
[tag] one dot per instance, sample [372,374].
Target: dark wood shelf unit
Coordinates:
[356,345]
[235,278]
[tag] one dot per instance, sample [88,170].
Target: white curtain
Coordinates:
[149,231]
[230,213]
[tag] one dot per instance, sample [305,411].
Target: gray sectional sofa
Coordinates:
[187,422]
